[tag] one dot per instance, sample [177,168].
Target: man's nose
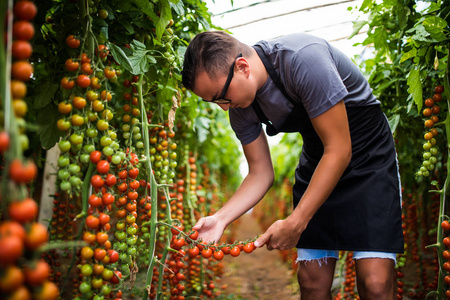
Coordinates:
[224,106]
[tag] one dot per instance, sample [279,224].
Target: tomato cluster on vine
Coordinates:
[446,256]
[22,274]
[208,250]
[431,113]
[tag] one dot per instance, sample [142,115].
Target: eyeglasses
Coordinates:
[221,99]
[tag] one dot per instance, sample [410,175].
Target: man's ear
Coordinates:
[242,65]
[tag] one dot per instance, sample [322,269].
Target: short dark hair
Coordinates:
[212,51]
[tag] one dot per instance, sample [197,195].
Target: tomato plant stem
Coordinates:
[188,186]
[440,292]
[153,190]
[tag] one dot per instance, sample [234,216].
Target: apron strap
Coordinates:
[270,129]
[272,73]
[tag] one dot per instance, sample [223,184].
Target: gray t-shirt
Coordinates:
[313,72]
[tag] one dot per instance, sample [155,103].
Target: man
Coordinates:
[347,188]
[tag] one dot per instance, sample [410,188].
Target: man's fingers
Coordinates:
[262,240]
[199,224]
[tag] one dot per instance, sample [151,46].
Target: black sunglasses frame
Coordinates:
[221,99]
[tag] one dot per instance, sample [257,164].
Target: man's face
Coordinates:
[232,90]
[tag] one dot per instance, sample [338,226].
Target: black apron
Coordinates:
[363,213]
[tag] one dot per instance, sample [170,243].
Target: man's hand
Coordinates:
[209,229]
[281,235]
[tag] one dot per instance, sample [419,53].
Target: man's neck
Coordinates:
[258,69]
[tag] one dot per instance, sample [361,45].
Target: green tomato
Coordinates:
[120,235]
[86,270]
[65,185]
[122,155]
[107,274]
[89,148]
[108,151]
[76,139]
[433,151]
[105,290]
[137,136]
[132,240]
[122,247]
[98,297]
[123,256]
[126,135]
[105,141]
[85,287]
[426,155]
[63,174]
[132,251]
[112,134]
[75,181]
[115,145]
[131,230]
[74,169]
[92,132]
[120,225]
[63,161]
[84,158]
[77,148]
[125,270]
[102,13]
[115,159]
[64,146]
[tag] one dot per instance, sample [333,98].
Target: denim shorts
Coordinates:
[323,255]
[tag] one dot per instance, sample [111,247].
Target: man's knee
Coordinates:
[315,275]
[375,287]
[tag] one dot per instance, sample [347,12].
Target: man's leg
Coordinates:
[375,278]
[315,273]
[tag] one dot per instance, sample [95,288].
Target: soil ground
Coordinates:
[259,275]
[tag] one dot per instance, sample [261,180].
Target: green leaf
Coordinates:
[415,88]
[146,7]
[357,25]
[403,14]
[44,94]
[394,120]
[177,6]
[164,18]
[407,55]
[366,4]
[421,34]
[387,84]
[128,26]
[48,133]
[139,62]
[201,126]
[434,24]
[136,45]
[120,56]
